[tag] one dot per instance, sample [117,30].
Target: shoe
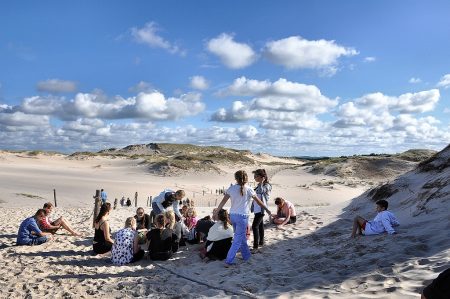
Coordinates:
[254,250]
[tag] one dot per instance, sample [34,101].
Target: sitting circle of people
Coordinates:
[168,226]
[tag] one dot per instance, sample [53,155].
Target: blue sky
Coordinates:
[282,77]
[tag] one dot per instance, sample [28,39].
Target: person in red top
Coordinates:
[47,225]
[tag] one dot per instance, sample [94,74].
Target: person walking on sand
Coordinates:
[263,192]
[166,199]
[241,196]
[103,196]
[49,226]
[383,222]
[30,233]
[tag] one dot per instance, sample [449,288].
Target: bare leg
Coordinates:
[357,223]
[63,222]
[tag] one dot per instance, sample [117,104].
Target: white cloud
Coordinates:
[149,35]
[370,59]
[444,82]
[199,82]
[142,86]
[296,52]
[234,55]
[20,119]
[415,80]
[56,86]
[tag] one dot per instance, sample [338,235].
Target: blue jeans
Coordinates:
[156,209]
[240,223]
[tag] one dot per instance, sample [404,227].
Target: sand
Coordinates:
[314,258]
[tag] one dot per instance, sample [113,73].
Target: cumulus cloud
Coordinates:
[20,119]
[444,82]
[199,82]
[415,80]
[234,55]
[296,52]
[148,35]
[56,86]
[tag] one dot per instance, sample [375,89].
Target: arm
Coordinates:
[106,232]
[261,204]
[176,208]
[387,224]
[288,217]
[158,201]
[222,203]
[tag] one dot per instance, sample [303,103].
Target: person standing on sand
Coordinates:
[166,199]
[30,233]
[103,196]
[263,192]
[241,197]
[49,226]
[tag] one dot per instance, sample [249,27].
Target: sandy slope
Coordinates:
[312,259]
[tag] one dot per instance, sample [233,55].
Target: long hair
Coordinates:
[262,173]
[223,216]
[103,210]
[278,201]
[130,222]
[170,219]
[242,179]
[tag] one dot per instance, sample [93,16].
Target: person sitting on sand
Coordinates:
[29,231]
[126,248]
[438,288]
[241,198]
[128,202]
[203,226]
[49,226]
[162,241]
[383,222]
[142,220]
[102,236]
[220,237]
[166,199]
[285,212]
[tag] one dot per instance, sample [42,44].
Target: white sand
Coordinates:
[312,259]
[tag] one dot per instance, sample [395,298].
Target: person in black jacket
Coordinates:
[163,241]
[142,219]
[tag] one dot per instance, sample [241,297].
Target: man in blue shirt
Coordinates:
[166,199]
[29,232]
[103,196]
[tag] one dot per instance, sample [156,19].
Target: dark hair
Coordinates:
[262,173]
[278,200]
[48,205]
[39,212]
[383,203]
[223,216]
[241,178]
[159,220]
[103,210]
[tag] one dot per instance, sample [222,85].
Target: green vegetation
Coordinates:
[29,195]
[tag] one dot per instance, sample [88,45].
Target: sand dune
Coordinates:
[315,258]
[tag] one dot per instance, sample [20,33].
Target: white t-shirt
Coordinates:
[240,204]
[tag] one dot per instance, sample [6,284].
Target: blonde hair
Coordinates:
[130,222]
[180,193]
[194,212]
[242,179]
[170,218]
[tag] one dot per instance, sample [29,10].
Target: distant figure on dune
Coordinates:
[49,226]
[166,199]
[122,201]
[241,196]
[103,196]
[438,288]
[126,247]
[263,192]
[30,233]
[102,236]
[383,222]
[128,202]
[285,212]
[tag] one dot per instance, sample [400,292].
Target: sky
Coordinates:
[290,78]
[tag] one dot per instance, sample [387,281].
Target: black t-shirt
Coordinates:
[142,223]
[161,241]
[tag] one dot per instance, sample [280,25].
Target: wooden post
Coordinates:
[54,197]
[203,192]
[97,205]
[150,201]
[135,199]
[216,202]
[115,203]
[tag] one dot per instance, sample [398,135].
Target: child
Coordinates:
[191,218]
[241,196]
[383,222]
